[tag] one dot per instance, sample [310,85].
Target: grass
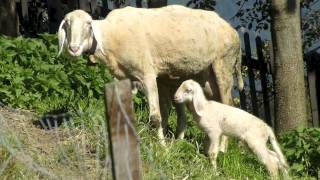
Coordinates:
[35,79]
[179,159]
[80,150]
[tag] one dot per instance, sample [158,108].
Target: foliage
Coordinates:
[33,76]
[311,28]
[256,15]
[302,149]
[202,4]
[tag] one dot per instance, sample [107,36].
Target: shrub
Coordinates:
[302,149]
[32,76]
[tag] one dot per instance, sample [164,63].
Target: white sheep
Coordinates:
[168,44]
[218,119]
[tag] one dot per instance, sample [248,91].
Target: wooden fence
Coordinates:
[260,66]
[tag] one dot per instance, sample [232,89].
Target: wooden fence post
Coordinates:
[263,72]
[251,75]
[124,144]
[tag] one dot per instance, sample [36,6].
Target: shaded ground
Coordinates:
[59,153]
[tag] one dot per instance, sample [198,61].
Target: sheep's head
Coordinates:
[185,92]
[76,32]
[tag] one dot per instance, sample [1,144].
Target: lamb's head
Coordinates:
[76,32]
[185,91]
[191,92]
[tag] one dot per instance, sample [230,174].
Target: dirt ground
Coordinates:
[57,153]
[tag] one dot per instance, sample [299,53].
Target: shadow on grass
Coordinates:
[53,119]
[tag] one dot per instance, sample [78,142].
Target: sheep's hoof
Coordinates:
[180,136]
[162,142]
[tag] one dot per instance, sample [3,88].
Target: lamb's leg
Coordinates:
[181,120]
[280,165]
[213,151]
[260,149]
[151,89]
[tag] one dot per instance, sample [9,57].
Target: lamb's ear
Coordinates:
[96,29]
[197,104]
[61,36]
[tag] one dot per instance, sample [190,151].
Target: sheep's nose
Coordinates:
[74,48]
[176,98]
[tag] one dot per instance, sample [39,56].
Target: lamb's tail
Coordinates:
[275,145]
[238,71]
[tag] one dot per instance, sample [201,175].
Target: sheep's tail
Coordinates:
[275,145]
[238,71]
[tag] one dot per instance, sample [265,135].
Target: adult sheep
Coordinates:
[169,44]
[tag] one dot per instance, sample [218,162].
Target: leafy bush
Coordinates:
[302,149]
[32,76]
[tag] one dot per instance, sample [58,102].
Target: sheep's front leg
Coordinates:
[151,88]
[181,120]
[165,105]
[214,149]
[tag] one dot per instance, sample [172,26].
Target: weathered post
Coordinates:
[124,144]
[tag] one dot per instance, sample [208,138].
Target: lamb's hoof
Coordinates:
[216,173]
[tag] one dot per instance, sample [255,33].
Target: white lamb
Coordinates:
[218,119]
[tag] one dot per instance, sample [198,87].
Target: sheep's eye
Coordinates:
[189,90]
[68,21]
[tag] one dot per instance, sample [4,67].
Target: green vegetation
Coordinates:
[33,78]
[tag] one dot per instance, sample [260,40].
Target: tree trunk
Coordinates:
[290,97]
[55,14]
[105,8]
[8,18]
[73,4]
[84,5]
[157,3]
[139,3]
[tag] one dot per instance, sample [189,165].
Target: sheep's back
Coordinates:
[175,39]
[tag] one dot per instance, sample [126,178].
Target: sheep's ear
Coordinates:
[197,104]
[96,29]
[61,36]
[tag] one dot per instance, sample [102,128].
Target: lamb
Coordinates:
[218,119]
[158,47]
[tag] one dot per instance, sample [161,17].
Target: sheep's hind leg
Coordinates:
[151,88]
